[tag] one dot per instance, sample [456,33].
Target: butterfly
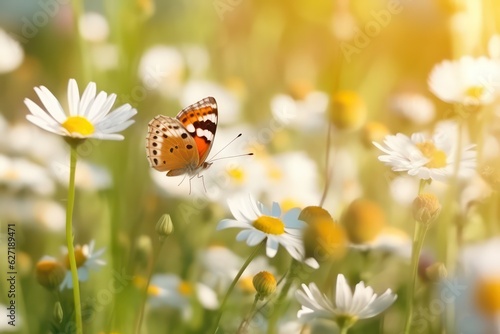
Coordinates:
[181,145]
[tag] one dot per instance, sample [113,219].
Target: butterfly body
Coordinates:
[180,145]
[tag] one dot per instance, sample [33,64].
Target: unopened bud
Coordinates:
[436,272]
[426,208]
[49,273]
[348,110]
[265,284]
[58,312]
[164,227]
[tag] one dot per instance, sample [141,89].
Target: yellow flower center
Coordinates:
[246,284]
[185,288]
[79,125]
[80,257]
[237,175]
[275,174]
[153,290]
[475,92]
[437,158]
[487,295]
[269,225]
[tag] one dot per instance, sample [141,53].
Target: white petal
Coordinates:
[379,305]
[39,112]
[87,98]
[231,223]
[73,97]
[51,104]
[255,238]
[271,247]
[343,292]
[96,107]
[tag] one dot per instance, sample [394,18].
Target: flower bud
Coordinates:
[49,273]
[58,312]
[363,220]
[348,110]
[324,239]
[265,284]
[164,227]
[426,208]
[436,272]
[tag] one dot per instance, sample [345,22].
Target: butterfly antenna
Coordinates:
[222,149]
[232,156]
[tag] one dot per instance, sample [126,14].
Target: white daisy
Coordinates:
[86,260]
[469,81]
[11,53]
[426,158]
[259,223]
[170,290]
[477,288]
[413,107]
[89,116]
[363,304]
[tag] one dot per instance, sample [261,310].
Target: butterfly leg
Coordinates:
[182,181]
[202,181]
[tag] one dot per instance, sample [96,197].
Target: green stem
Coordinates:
[271,328]
[246,320]
[344,329]
[69,239]
[233,284]
[145,292]
[328,170]
[418,241]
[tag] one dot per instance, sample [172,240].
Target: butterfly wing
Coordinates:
[200,121]
[170,147]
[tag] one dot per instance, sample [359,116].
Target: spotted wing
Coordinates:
[200,120]
[169,146]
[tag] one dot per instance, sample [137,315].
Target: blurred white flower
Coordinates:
[227,103]
[494,47]
[19,174]
[305,114]
[89,116]
[413,107]
[43,213]
[162,68]
[363,304]
[170,290]
[391,240]
[197,59]
[260,224]
[220,266]
[344,179]
[104,56]
[469,81]
[291,179]
[86,261]
[11,53]
[93,27]
[88,176]
[477,288]
[426,157]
